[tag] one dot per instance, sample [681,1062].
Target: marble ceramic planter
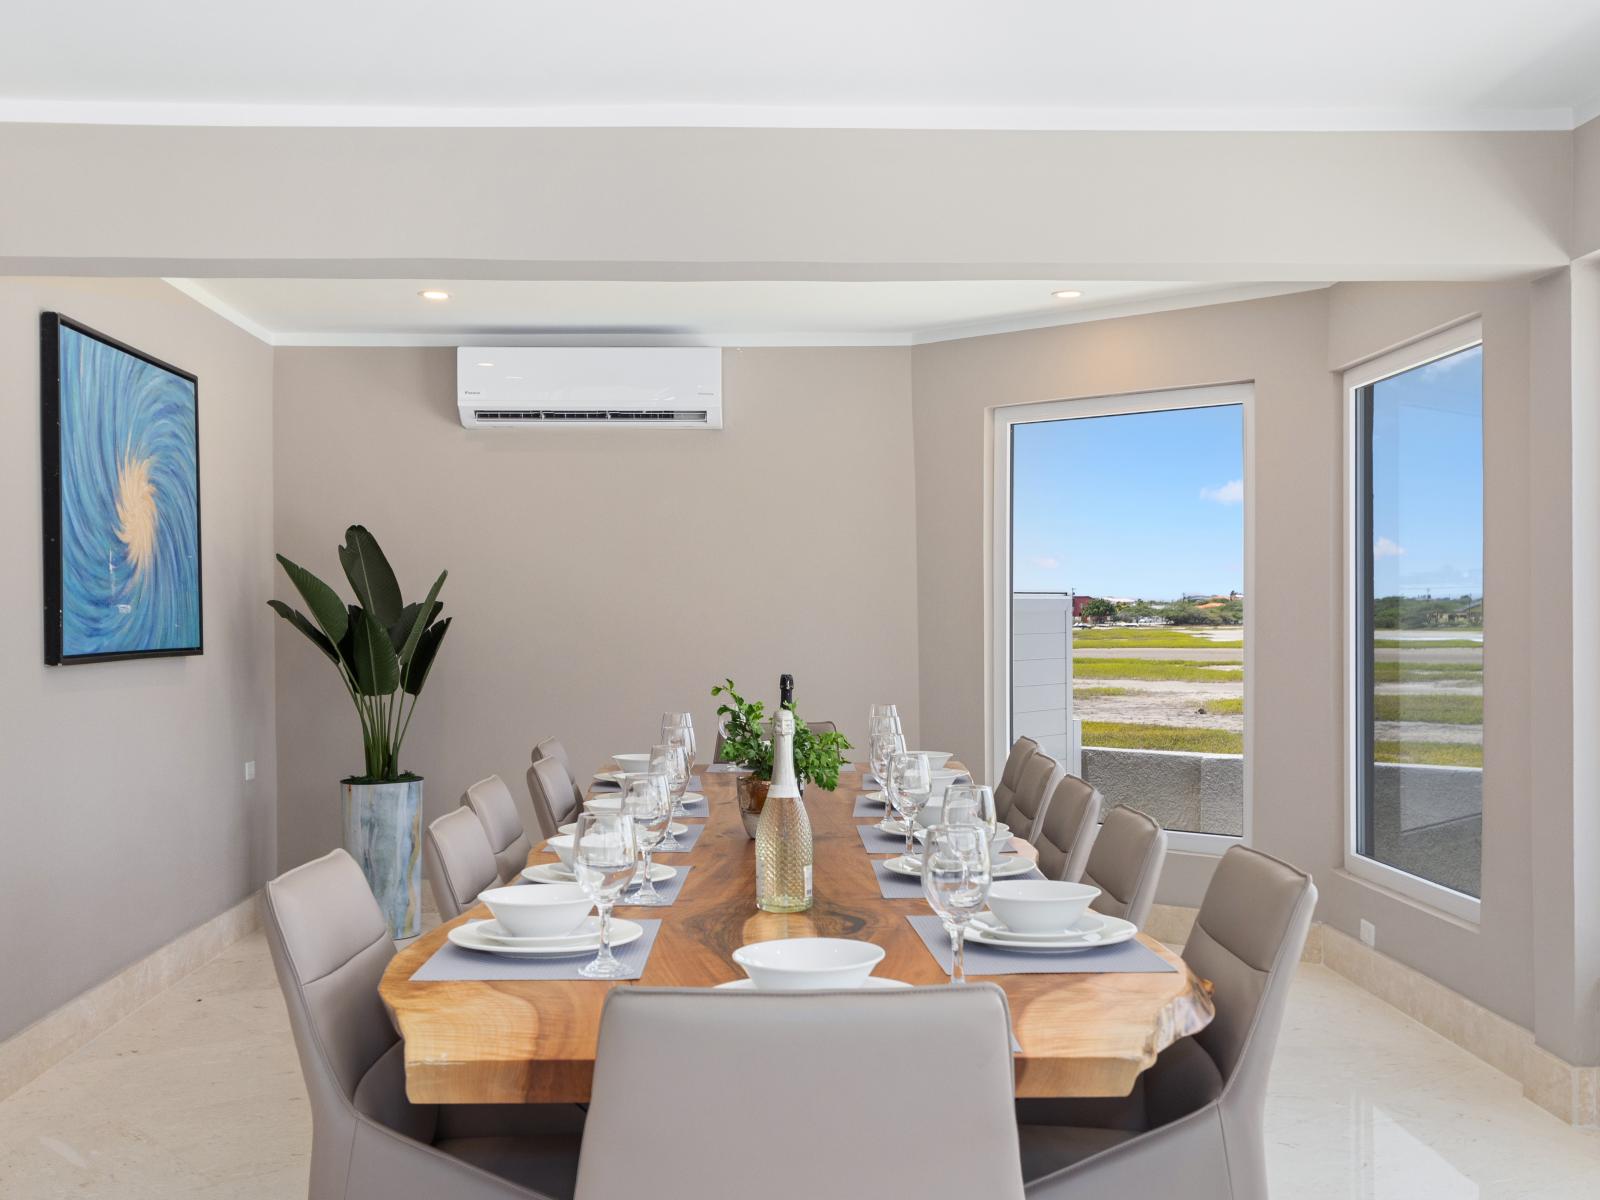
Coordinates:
[383,832]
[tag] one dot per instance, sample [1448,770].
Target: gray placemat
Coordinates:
[695,808]
[904,887]
[867,808]
[667,889]
[686,841]
[450,962]
[610,785]
[1131,957]
[877,841]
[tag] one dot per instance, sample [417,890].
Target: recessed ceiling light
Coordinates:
[486,364]
[433,294]
[1067,294]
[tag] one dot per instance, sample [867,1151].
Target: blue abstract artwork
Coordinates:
[122,500]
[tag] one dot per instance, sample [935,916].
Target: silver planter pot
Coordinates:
[383,832]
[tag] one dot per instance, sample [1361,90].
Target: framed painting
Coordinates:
[121,499]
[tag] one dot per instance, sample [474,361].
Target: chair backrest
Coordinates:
[459,861]
[330,946]
[1031,801]
[554,794]
[1125,864]
[1005,790]
[718,1048]
[490,801]
[552,748]
[1068,829]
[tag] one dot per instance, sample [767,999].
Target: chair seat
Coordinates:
[545,1163]
[1048,1148]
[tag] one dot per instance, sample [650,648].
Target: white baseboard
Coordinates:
[28,1054]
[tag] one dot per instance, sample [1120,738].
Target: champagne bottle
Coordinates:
[783,834]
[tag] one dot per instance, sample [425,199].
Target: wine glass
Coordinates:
[672,761]
[972,804]
[604,855]
[955,880]
[909,786]
[648,801]
[883,747]
[680,722]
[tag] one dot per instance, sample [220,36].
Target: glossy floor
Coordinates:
[199,1094]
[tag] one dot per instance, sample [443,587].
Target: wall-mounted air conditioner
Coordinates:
[678,387]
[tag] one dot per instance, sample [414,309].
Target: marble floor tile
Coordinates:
[198,1094]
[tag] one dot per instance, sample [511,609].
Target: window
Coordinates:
[1120,610]
[1416,629]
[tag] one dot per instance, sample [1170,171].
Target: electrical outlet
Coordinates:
[1369,933]
[250,770]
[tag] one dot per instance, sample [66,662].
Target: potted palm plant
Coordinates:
[383,650]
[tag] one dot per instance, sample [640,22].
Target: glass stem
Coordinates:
[958,945]
[605,931]
[647,889]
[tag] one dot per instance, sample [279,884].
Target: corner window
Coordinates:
[1417,619]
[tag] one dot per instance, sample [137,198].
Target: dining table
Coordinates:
[507,1041]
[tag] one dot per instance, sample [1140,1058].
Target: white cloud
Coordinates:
[1231,492]
[1384,548]
[1045,562]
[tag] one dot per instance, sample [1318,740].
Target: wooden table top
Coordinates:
[534,1040]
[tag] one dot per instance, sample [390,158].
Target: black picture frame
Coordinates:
[51,325]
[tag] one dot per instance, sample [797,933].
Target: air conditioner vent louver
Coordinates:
[509,415]
[678,387]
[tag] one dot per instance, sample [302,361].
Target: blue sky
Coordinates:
[1145,505]
[1427,479]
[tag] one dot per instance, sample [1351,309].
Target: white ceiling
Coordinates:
[1043,64]
[389,312]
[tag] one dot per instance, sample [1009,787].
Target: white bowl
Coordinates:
[634,764]
[1000,844]
[541,910]
[806,964]
[936,758]
[563,844]
[942,778]
[1040,905]
[605,802]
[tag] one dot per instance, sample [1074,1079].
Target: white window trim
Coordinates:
[1404,358]
[1242,394]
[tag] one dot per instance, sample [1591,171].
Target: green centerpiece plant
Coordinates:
[747,742]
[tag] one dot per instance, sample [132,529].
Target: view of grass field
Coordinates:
[1396,671]
[1160,638]
[1178,670]
[1116,735]
[1432,707]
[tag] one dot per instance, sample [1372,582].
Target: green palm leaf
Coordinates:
[370,575]
[377,668]
[321,599]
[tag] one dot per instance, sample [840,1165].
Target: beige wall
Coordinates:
[598,577]
[782,203]
[1586,198]
[1292,349]
[128,820]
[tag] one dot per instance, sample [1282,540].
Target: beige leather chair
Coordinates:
[1068,829]
[787,1092]
[1036,787]
[1193,1125]
[1125,864]
[554,794]
[490,801]
[1005,792]
[368,1142]
[459,862]
[552,748]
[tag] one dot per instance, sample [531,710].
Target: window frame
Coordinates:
[1357,643]
[1001,484]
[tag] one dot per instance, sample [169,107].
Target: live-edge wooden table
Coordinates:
[477,1042]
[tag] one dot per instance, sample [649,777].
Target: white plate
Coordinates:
[1002,868]
[875,797]
[497,932]
[1089,927]
[586,941]
[609,777]
[556,873]
[692,798]
[677,829]
[873,983]
[1116,930]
